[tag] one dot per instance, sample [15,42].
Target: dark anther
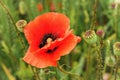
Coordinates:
[51,50]
[44,39]
[55,48]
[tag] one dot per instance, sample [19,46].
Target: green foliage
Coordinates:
[87,61]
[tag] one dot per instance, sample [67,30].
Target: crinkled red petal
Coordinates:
[47,23]
[32,34]
[67,45]
[63,45]
[39,58]
[53,22]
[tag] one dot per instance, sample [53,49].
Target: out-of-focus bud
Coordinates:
[116,48]
[60,5]
[90,37]
[22,7]
[113,6]
[39,7]
[106,76]
[87,19]
[21,24]
[52,6]
[100,33]
[110,61]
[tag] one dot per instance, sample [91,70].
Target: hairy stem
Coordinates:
[93,22]
[18,33]
[69,73]
[13,22]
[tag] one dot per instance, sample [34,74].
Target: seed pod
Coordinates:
[21,24]
[90,37]
[116,48]
[22,8]
[39,7]
[110,61]
[100,33]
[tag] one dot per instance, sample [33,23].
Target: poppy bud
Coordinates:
[40,7]
[21,24]
[52,6]
[100,33]
[113,5]
[116,48]
[90,37]
[22,8]
[106,76]
[110,61]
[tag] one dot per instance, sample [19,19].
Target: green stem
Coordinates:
[64,6]
[99,58]
[34,70]
[88,63]
[18,33]
[115,73]
[116,68]
[13,22]
[69,73]
[93,22]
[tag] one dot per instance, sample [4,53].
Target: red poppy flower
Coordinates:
[49,38]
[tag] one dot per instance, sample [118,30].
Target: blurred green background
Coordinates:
[82,60]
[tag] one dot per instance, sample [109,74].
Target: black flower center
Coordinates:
[47,38]
[51,50]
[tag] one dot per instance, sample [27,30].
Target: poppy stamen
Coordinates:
[51,50]
[47,39]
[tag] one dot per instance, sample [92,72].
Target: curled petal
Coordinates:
[39,58]
[49,23]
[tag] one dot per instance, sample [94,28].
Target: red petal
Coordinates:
[53,22]
[64,45]
[39,58]
[47,23]
[67,45]
[32,34]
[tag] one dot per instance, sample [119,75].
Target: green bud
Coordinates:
[22,7]
[110,61]
[116,48]
[21,24]
[90,37]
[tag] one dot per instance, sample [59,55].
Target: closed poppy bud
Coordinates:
[100,33]
[116,48]
[90,37]
[40,7]
[110,61]
[106,76]
[21,24]
[60,5]
[113,5]
[52,6]
[22,8]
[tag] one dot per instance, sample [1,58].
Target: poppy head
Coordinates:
[39,7]
[49,38]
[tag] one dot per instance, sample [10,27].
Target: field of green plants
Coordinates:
[89,50]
